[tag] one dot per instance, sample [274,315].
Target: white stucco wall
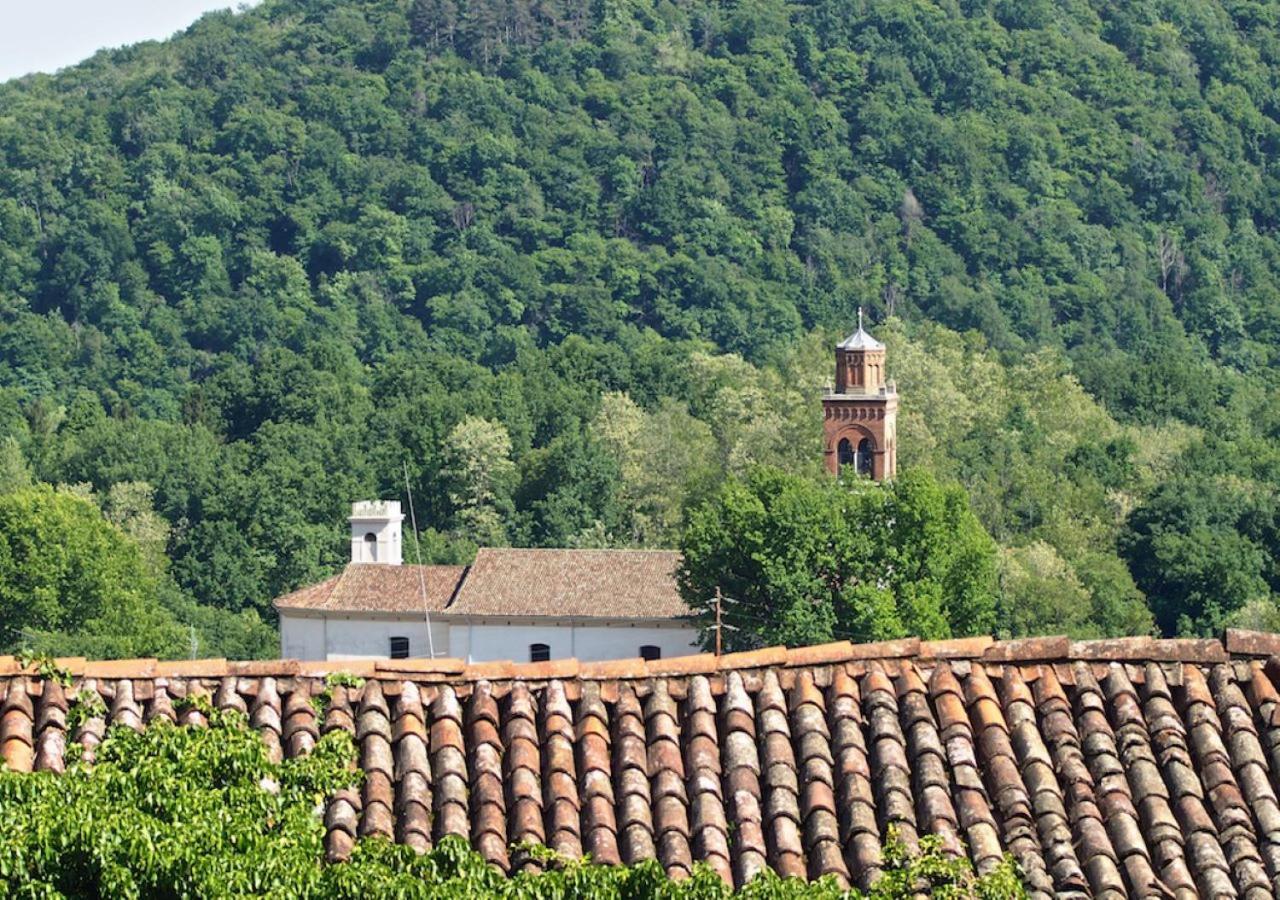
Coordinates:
[484,642]
[353,637]
[346,637]
[301,637]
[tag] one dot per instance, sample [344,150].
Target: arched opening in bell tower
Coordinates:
[845,454]
[864,457]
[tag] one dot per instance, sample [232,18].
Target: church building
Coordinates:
[510,603]
[860,414]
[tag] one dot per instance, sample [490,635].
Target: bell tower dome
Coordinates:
[860,414]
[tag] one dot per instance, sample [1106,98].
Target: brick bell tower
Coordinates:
[860,416]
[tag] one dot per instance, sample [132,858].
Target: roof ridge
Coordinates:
[1054,650]
[380,565]
[582,550]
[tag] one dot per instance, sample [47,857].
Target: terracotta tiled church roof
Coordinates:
[622,584]
[370,587]
[509,581]
[1119,768]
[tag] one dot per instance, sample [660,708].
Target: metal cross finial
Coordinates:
[859,318]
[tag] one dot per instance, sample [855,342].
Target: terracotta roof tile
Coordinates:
[121,668]
[599,818]
[560,773]
[1147,648]
[588,584]
[838,651]
[438,666]
[955,648]
[1103,777]
[192,668]
[1057,647]
[754,659]
[708,822]
[695,664]
[374,587]
[741,761]
[631,777]
[543,671]
[1251,643]
[855,804]
[413,794]
[894,649]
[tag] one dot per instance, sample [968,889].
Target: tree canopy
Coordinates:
[805,561]
[72,582]
[263,266]
[68,577]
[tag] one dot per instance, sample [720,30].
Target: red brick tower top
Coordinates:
[860,414]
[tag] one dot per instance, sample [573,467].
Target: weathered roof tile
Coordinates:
[590,584]
[1108,769]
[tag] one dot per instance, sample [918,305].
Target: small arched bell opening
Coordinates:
[864,457]
[371,547]
[844,453]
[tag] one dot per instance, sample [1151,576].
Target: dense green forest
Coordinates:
[575,265]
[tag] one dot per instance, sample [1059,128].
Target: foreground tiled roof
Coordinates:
[622,584]
[1124,768]
[370,587]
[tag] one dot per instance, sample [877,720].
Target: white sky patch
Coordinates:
[47,35]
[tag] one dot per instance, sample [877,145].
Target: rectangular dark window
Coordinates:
[539,652]
[399,648]
[649,651]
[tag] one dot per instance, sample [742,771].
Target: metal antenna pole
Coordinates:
[719,630]
[422,575]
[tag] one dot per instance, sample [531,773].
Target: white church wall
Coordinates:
[345,637]
[301,637]
[589,643]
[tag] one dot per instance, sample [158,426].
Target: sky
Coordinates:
[46,35]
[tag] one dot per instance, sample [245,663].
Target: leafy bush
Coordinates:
[203,812]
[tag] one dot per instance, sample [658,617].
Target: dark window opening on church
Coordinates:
[399,648]
[649,651]
[845,453]
[371,544]
[539,652]
[864,456]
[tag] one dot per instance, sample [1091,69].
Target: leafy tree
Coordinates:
[1040,593]
[1203,548]
[72,582]
[663,457]
[808,560]
[15,471]
[480,478]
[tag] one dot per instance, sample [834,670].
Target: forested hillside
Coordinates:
[575,264]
